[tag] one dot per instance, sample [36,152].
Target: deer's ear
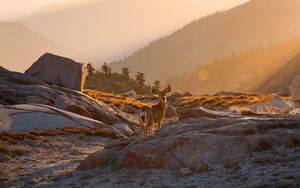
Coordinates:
[155,91]
[168,89]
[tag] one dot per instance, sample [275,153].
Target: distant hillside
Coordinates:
[255,23]
[244,71]
[283,78]
[110,29]
[115,84]
[20,46]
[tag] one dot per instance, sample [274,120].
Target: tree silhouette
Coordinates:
[140,78]
[105,68]
[125,73]
[109,72]
[90,69]
[156,84]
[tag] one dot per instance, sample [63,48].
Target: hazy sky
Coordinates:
[13,9]
[111,29]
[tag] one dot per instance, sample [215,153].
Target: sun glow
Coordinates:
[203,74]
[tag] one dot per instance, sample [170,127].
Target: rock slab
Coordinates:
[57,70]
[21,118]
[196,143]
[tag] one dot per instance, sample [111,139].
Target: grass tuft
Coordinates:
[232,165]
[4,149]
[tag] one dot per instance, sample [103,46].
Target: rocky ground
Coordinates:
[53,136]
[261,169]
[271,158]
[31,162]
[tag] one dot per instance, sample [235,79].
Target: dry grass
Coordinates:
[4,149]
[41,135]
[232,165]
[212,102]
[11,151]
[221,102]
[113,99]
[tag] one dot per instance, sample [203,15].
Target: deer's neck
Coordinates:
[162,105]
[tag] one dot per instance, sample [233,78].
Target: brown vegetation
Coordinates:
[13,137]
[112,99]
[115,83]
[220,102]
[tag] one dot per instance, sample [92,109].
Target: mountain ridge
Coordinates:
[241,72]
[115,28]
[257,22]
[29,45]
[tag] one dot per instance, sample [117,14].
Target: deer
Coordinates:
[154,114]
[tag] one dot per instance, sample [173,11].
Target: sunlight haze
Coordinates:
[11,9]
[103,30]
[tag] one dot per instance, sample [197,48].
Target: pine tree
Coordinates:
[105,68]
[125,73]
[109,72]
[140,78]
[90,69]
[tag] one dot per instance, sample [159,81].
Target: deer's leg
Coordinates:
[150,127]
[158,125]
[142,127]
[142,130]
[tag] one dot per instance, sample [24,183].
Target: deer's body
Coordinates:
[150,116]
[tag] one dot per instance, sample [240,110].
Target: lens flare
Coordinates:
[203,75]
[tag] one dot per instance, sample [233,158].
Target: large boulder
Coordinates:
[57,70]
[187,150]
[295,89]
[205,141]
[276,106]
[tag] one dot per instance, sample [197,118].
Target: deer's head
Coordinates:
[161,94]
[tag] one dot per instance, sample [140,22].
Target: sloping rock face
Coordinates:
[14,91]
[61,98]
[295,89]
[282,104]
[57,70]
[276,106]
[15,78]
[19,118]
[200,141]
